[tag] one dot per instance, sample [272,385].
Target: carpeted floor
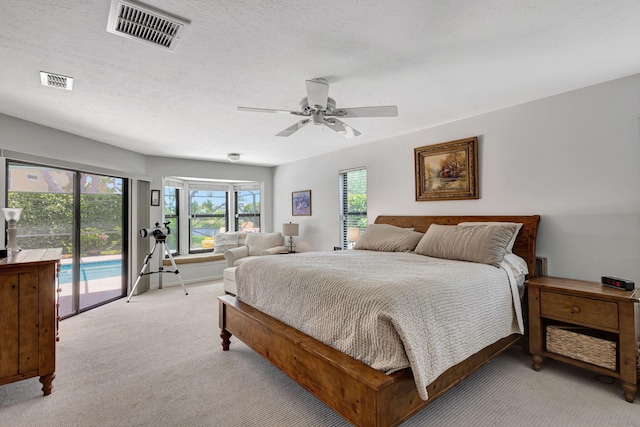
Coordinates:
[157,361]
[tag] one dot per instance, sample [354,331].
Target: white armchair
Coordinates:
[256,244]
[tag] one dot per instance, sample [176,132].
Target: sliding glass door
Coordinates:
[101,252]
[84,215]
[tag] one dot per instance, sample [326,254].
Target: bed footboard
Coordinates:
[359,393]
[354,390]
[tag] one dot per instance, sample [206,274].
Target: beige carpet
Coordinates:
[157,361]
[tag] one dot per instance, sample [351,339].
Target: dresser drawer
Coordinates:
[579,310]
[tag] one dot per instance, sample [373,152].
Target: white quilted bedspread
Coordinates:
[388,310]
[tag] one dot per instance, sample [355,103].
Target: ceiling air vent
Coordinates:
[142,22]
[56,80]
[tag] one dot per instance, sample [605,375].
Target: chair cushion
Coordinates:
[229,280]
[260,242]
[243,259]
[229,273]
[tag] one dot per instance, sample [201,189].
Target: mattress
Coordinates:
[389,310]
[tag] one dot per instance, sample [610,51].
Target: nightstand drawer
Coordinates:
[581,310]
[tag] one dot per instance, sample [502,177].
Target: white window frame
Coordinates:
[186,184]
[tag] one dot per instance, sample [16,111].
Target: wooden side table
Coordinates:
[568,303]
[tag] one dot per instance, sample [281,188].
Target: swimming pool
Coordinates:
[92,270]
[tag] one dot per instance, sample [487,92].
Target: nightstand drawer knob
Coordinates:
[575,309]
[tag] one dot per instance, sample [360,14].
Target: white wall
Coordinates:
[571,158]
[159,167]
[30,138]
[63,148]
[35,140]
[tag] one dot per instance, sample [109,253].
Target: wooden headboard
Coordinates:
[525,245]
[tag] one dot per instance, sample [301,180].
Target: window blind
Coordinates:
[353,203]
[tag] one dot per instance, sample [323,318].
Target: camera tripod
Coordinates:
[162,240]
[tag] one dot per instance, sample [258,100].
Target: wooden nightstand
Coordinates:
[612,313]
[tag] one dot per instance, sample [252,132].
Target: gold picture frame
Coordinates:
[447,171]
[301,203]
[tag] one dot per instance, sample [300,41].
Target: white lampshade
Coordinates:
[12,214]
[353,234]
[290,229]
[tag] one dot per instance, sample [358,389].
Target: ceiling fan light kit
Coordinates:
[320,109]
[233,157]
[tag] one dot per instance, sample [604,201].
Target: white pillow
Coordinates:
[497,223]
[224,241]
[518,265]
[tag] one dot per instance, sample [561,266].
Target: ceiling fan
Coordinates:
[318,108]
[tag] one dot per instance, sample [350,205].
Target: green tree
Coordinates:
[47,218]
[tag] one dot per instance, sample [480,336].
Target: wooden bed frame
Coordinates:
[362,395]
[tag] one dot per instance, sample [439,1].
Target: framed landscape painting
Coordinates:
[301,203]
[447,171]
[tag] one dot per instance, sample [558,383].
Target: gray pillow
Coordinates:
[388,238]
[497,224]
[483,243]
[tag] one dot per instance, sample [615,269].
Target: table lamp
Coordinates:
[12,215]
[353,234]
[290,230]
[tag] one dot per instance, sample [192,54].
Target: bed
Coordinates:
[361,394]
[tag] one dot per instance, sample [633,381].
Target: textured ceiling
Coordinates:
[437,61]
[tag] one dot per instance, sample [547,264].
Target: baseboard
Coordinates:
[167,284]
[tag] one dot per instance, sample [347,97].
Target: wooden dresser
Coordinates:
[28,316]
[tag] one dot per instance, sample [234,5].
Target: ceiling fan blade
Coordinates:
[317,93]
[291,129]
[270,110]
[380,111]
[341,127]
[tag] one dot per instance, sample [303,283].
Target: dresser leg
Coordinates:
[536,362]
[47,381]
[629,391]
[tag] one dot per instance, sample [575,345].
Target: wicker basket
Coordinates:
[573,342]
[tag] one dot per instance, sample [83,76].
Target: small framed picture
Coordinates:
[155,197]
[301,203]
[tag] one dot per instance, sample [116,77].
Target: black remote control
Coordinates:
[617,283]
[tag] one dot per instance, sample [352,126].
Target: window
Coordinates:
[353,205]
[171,215]
[247,204]
[208,215]
[206,209]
